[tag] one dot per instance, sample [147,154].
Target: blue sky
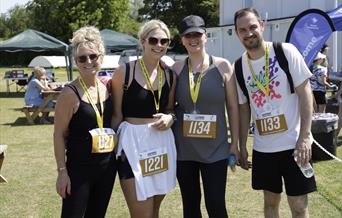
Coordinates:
[5,5]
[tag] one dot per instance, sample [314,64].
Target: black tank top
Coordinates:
[79,141]
[139,102]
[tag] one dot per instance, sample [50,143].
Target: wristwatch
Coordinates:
[174,118]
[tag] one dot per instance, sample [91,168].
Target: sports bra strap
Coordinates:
[135,63]
[211,60]
[166,70]
[74,89]
[171,77]
[126,76]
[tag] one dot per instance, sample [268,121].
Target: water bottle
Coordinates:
[232,160]
[306,169]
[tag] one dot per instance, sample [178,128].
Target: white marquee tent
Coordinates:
[109,61]
[48,61]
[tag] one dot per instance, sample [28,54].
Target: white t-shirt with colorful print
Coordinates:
[280,100]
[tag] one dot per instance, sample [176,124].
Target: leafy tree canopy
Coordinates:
[60,18]
[172,12]
[16,21]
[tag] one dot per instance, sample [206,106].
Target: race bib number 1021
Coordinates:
[103,140]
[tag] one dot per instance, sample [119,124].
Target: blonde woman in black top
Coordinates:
[143,99]
[83,140]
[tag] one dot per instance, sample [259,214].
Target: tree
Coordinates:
[61,18]
[3,26]
[173,11]
[16,21]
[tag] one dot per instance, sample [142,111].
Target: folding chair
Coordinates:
[22,84]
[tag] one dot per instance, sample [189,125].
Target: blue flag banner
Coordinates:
[309,31]
[336,17]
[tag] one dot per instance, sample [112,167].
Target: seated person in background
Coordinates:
[319,82]
[33,95]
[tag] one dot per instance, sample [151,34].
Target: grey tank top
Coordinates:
[211,100]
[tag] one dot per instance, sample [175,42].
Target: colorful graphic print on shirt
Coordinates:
[257,95]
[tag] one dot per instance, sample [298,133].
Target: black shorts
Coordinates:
[124,168]
[270,169]
[320,97]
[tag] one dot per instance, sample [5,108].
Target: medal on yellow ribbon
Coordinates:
[265,89]
[149,84]
[194,90]
[103,139]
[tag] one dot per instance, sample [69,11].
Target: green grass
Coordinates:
[29,167]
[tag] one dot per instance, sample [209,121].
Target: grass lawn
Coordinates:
[30,169]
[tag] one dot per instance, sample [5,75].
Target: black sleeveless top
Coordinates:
[139,102]
[79,140]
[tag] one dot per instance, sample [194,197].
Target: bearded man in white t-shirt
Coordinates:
[282,118]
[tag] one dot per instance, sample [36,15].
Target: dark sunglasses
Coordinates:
[154,41]
[193,35]
[84,58]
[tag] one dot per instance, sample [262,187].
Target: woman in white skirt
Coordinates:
[143,93]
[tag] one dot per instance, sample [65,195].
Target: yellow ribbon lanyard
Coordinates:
[265,89]
[99,117]
[194,90]
[160,82]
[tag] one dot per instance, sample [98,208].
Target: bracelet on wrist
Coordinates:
[60,169]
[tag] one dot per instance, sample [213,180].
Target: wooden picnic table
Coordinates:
[32,113]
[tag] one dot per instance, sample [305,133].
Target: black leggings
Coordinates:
[91,188]
[214,177]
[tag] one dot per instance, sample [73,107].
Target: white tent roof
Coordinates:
[110,62]
[168,60]
[48,61]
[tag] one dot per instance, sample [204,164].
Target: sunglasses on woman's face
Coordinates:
[154,41]
[193,35]
[84,58]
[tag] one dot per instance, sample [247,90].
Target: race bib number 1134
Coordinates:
[199,126]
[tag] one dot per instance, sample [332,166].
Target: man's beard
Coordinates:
[253,44]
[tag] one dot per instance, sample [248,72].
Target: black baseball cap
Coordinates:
[191,23]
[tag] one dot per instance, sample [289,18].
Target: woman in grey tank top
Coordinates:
[205,86]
